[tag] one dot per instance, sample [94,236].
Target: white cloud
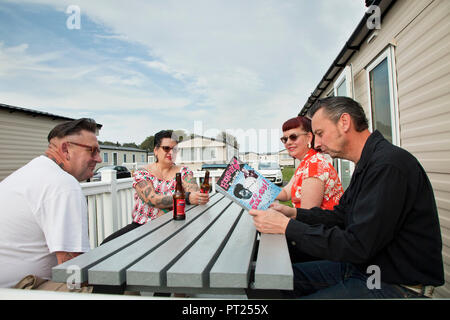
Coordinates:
[77,87]
[157,65]
[243,64]
[15,60]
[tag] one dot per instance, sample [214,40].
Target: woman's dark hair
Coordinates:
[336,106]
[299,122]
[72,127]
[164,134]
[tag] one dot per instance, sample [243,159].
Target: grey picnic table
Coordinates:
[210,252]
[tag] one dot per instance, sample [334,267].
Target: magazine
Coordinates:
[246,186]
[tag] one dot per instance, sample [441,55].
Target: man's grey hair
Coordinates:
[334,107]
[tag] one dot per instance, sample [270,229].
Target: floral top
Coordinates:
[315,165]
[142,212]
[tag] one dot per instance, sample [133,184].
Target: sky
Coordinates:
[138,67]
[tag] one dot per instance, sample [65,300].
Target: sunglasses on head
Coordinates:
[167,148]
[292,137]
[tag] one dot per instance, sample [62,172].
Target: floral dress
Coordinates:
[315,165]
[143,212]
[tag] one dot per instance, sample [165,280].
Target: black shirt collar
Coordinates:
[368,149]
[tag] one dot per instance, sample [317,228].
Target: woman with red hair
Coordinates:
[315,182]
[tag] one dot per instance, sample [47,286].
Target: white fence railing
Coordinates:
[110,203]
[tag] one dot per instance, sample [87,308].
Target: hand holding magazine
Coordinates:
[246,186]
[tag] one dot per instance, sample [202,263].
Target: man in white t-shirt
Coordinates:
[43,215]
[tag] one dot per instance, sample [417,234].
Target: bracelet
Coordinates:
[187,197]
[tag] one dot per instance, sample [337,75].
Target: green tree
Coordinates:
[107,143]
[148,144]
[130,145]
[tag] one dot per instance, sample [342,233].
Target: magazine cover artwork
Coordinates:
[246,186]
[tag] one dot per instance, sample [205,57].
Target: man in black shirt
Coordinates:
[383,240]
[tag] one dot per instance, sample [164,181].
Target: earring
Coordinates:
[309,145]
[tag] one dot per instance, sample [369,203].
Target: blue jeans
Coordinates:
[336,280]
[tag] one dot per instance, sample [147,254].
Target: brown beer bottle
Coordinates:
[204,188]
[179,201]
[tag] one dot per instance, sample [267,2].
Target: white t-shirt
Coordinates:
[42,210]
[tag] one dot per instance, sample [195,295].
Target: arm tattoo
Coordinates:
[190,184]
[166,201]
[141,184]
[147,191]
[143,190]
[147,194]
[66,256]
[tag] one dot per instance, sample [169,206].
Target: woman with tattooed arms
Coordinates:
[155,184]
